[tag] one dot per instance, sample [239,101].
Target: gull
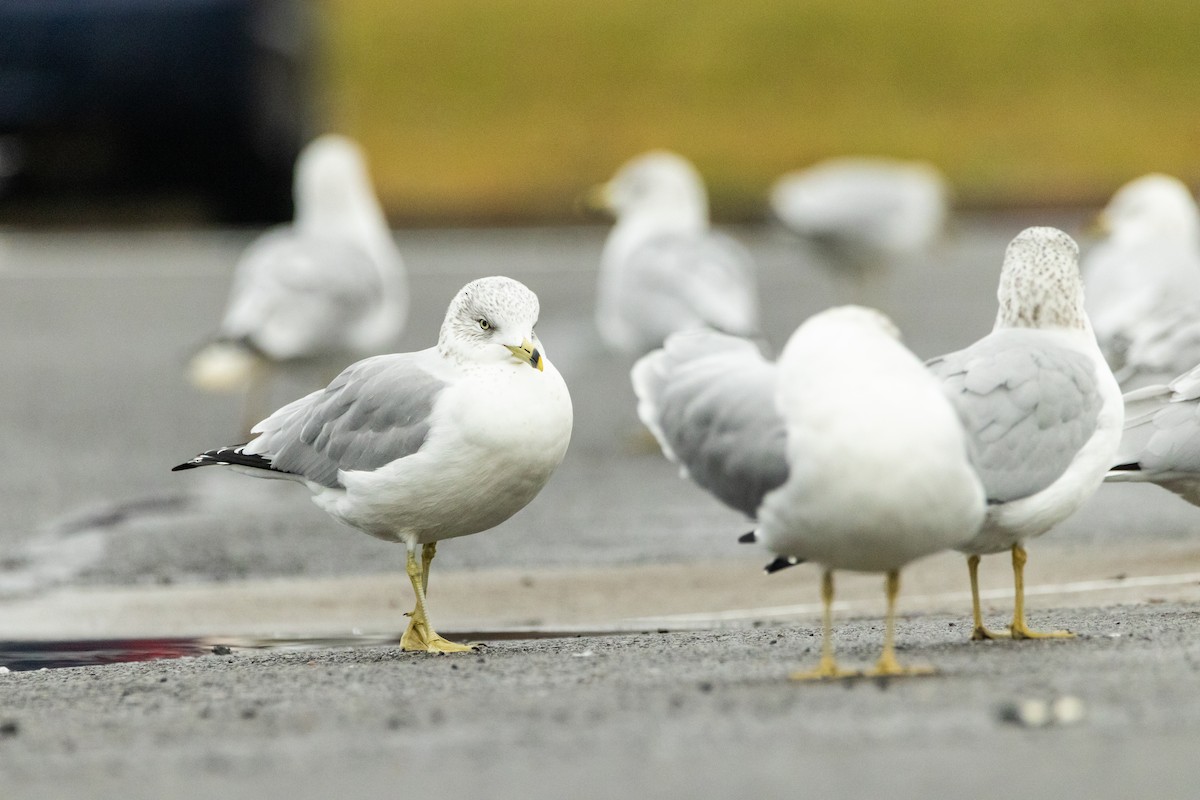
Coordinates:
[864,210]
[419,447]
[1143,281]
[330,287]
[663,269]
[1042,410]
[879,473]
[1161,444]
[806,448]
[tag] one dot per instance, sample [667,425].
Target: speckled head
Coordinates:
[1040,285]
[489,311]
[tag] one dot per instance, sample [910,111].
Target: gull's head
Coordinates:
[331,181]
[1152,207]
[843,321]
[1040,285]
[491,321]
[656,181]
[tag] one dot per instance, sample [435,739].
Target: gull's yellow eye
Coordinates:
[483,323]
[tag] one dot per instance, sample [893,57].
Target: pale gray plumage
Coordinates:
[1161,443]
[375,412]
[1028,407]
[709,400]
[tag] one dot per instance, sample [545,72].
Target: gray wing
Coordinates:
[681,282]
[377,411]
[296,295]
[1162,428]
[1028,407]
[709,399]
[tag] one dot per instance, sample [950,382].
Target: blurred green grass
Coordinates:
[505,110]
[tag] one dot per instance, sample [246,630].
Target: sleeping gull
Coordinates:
[879,473]
[1042,410]
[663,269]
[1162,437]
[420,447]
[865,210]
[330,287]
[1143,281]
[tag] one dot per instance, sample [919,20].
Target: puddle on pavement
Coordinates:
[19,656]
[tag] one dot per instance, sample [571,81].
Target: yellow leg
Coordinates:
[420,636]
[980,633]
[1019,628]
[828,667]
[428,551]
[887,664]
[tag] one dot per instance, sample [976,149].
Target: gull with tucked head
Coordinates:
[419,447]
[663,269]
[1042,410]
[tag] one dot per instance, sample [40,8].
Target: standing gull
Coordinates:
[663,269]
[878,463]
[1143,281]
[330,287]
[1162,437]
[420,447]
[1042,410]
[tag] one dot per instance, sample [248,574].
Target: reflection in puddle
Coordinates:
[19,656]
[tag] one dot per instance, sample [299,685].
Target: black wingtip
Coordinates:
[748,538]
[783,562]
[223,457]
[1132,466]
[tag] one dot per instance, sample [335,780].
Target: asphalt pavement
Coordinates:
[99,539]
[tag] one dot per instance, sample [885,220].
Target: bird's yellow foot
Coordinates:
[889,667]
[826,670]
[982,634]
[420,638]
[1020,630]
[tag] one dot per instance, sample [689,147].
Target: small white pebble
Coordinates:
[1067,710]
[583,654]
[4,670]
[1027,713]
[356,631]
[1113,635]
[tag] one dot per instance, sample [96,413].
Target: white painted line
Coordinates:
[809,609]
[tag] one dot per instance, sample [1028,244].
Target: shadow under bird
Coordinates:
[419,447]
[327,289]
[663,268]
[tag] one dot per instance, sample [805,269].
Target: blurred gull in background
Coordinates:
[1042,410]
[329,288]
[865,210]
[419,447]
[663,269]
[1143,281]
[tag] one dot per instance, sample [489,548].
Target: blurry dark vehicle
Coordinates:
[120,102]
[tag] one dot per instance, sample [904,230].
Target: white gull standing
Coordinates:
[1143,281]
[878,463]
[419,447]
[1042,410]
[805,446]
[330,287]
[663,269]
